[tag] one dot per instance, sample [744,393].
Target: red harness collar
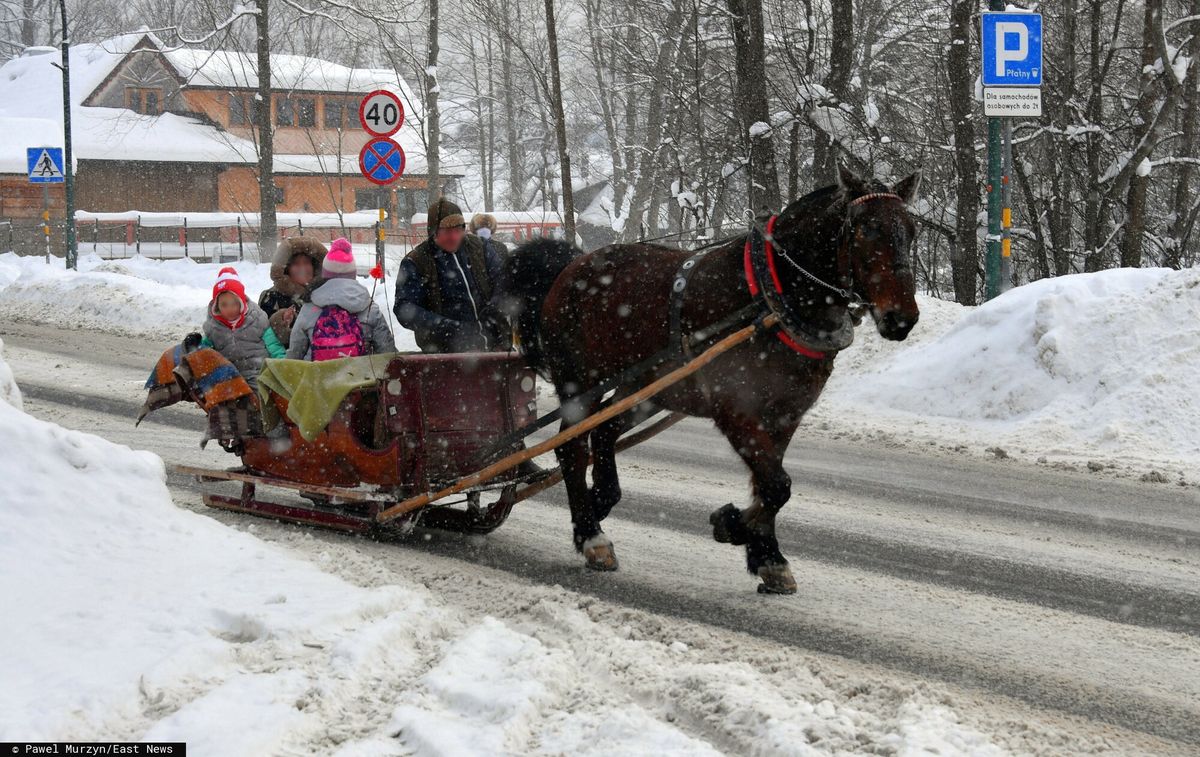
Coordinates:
[753,285]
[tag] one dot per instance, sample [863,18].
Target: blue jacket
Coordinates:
[458,318]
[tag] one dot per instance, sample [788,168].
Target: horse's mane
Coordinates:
[817,202]
[828,199]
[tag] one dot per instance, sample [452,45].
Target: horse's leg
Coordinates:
[762,450]
[597,549]
[606,484]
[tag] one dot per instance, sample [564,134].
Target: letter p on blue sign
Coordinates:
[1012,49]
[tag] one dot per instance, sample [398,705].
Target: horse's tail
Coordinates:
[525,281]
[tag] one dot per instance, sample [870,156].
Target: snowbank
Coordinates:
[1094,364]
[118,603]
[137,296]
[498,690]
[8,386]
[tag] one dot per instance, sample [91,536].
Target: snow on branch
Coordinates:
[239,11]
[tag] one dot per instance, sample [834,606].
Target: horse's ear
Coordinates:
[849,182]
[908,187]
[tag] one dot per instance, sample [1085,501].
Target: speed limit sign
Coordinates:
[381,113]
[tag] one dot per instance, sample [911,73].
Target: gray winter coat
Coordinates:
[351,296]
[243,347]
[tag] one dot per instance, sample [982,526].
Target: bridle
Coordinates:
[845,267]
[762,279]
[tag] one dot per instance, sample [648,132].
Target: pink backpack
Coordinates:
[336,334]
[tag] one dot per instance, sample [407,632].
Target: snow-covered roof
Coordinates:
[118,134]
[235,70]
[20,133]
[31,90]
[31,108]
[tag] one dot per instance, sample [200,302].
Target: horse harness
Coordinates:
[762,279]
[759,263]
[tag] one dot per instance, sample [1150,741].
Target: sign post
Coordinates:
[1011,47]
[46,168]
[382,159]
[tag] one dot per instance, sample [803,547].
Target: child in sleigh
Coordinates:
[238,328]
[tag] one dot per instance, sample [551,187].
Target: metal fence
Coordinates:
[204,237]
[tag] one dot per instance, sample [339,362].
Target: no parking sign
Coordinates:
[382,159]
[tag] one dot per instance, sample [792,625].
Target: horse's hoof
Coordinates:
[776,579]
[727,525]
[599,553]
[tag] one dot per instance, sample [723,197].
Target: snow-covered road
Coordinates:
[1063,601]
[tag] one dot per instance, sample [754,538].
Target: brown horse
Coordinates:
[585,319]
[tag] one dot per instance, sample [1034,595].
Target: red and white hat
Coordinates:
[229,281]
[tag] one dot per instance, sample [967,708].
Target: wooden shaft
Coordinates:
[623,444]
[584,426]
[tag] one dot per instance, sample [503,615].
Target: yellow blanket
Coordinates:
[315,390]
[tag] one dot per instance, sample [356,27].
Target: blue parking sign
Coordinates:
[1012,49]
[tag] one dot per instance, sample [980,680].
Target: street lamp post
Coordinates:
[72,251]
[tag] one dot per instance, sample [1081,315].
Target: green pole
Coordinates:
[992,267]
[72,251]
[1006,211]
[991,287]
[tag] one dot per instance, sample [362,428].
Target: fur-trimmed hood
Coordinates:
[287,251]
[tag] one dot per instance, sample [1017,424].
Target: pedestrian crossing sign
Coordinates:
[45,165]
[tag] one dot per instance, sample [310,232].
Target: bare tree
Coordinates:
[841,60]
[268,230]
[560,124]
[1135,204]
[964,257]
[752,105]
[433,129]
[1186,207]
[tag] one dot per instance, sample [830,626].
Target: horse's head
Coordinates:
[874,250]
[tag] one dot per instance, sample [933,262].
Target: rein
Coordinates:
[686,232]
